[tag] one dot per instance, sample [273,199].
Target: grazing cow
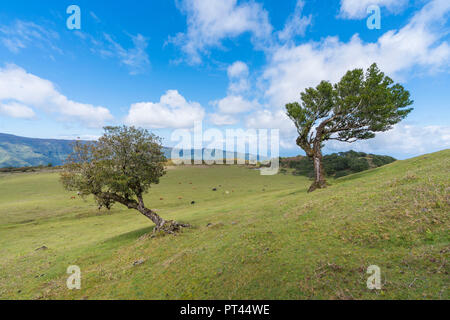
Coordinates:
[73,198]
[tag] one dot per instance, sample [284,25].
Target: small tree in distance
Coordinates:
[353,109]
[119,168]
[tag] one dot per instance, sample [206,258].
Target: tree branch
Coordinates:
[129,203]
[344,140]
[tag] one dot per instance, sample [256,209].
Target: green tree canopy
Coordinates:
[353,109]
[118,168]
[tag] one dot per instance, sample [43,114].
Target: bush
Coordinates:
[338,164]
[342,174]
[381,160]
[358,164]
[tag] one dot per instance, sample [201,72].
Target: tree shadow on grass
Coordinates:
[300,191]
[128,237]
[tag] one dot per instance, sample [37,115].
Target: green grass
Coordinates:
[269,239]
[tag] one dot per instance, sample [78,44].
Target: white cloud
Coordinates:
[274,119]
[95,17]
[296,23]
[238,75]
[23,34]
[210,22]
[357,9]
[234,104]
[20,92]
[293,68]
[17,110]
[237,70]
[222,119]
[135,58]
[403,139]
[271,119]
[172,111]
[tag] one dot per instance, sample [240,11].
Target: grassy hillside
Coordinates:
[264,239]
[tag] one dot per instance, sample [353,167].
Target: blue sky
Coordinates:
[232,64]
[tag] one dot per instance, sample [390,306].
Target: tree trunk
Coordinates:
[157,220]
[319,172]
[161,225]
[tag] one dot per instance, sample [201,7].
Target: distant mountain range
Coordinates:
[24,152]
[29,152]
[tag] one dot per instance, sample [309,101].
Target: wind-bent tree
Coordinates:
[119,168]
[355,108]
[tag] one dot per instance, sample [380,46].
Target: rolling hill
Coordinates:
[23,152]
[18,151]
[266,238]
